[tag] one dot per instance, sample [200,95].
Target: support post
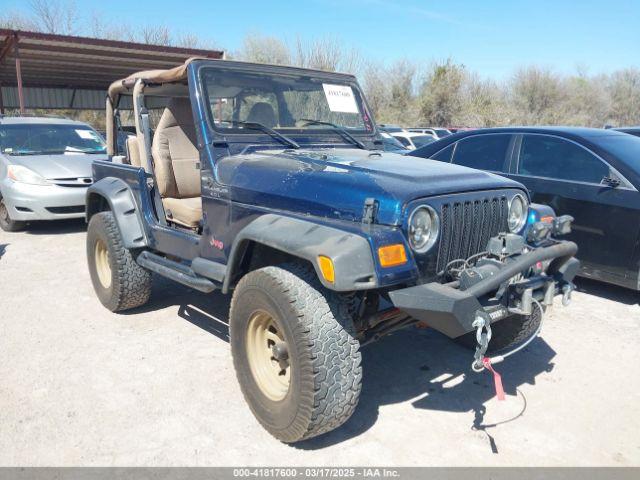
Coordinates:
[1,101]
[19,74]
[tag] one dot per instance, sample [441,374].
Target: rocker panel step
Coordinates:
[175,271]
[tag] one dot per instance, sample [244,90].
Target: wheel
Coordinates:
[118,280]
[294,351]
[6,223]
[506,333]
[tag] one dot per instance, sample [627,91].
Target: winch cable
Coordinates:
[481,363]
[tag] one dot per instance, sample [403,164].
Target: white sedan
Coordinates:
[413,140]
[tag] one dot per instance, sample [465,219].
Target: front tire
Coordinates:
[118,280]
[294,351]
[6,223]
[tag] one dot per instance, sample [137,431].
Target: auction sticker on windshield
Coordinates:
[87,134]
[340,98]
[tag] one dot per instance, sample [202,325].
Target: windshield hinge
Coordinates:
[370,210]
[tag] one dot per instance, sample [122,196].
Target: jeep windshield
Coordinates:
[289,104]
[49,139]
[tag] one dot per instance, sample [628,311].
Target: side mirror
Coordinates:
[610,182]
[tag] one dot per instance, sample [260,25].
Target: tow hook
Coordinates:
[480,362]
[566,294]
[482,324]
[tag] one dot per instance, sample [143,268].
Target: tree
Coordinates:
[328,54]
[391,92]
[536,95]
[624,88]
[260,48]
[440,96]
[55,16]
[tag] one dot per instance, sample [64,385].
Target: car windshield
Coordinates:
[442,132]
[285,103]
[625,147]
[42,139]
[422,140]
[393,143]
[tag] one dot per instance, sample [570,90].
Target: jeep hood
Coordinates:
[335,183]
[70,165]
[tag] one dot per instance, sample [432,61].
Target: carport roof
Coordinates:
[62,61]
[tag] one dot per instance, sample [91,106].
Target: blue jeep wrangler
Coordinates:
[269,183]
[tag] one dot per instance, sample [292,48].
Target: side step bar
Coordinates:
[175,271]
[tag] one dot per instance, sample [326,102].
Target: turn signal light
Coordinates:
[326,267]
[392,255]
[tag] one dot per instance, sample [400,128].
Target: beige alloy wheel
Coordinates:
[103,269]
[268,356]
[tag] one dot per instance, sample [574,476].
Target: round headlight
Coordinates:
[517,213]
[423,228]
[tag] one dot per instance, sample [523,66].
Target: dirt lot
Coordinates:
[82,386]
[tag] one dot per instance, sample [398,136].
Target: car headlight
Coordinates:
[423,228]
[21,174]
[517,213]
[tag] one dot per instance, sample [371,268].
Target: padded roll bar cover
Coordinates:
[351,254]
[121,202]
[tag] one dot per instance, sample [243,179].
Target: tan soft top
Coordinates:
[171,75]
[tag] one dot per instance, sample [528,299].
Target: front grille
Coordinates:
[61,210]
[467,226]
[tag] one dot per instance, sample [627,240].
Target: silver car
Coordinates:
[45,168]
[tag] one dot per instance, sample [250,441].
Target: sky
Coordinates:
[490,37]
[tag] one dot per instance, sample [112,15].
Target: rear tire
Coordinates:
[314,386]
[118,280]
[506,333]
[6,223]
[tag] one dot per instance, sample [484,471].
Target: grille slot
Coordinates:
[71,209]
[466,227]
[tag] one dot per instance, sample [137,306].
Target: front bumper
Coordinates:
[42,202]
[452,310]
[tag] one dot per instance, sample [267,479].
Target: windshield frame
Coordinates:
[320,134]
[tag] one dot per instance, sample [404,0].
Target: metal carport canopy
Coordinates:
[42,70]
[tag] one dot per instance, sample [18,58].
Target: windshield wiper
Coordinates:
[340,129]
[23,152]
[258,126]
[84,150]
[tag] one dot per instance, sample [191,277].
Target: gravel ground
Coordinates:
[83,386]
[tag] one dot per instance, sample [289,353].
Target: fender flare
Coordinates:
[122,203]
[351,254]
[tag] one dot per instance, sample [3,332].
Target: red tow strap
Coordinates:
[497,379]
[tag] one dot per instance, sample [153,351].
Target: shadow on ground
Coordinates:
[210,312]
[608,291]
[3,248]
[421,366]
[57,227]
[434,374]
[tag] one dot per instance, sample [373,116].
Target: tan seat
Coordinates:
[177,163]
[133,152]
[186,211]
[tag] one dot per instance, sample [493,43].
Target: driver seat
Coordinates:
[177,163]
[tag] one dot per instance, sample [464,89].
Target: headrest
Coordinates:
[176,113]
[262,112]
